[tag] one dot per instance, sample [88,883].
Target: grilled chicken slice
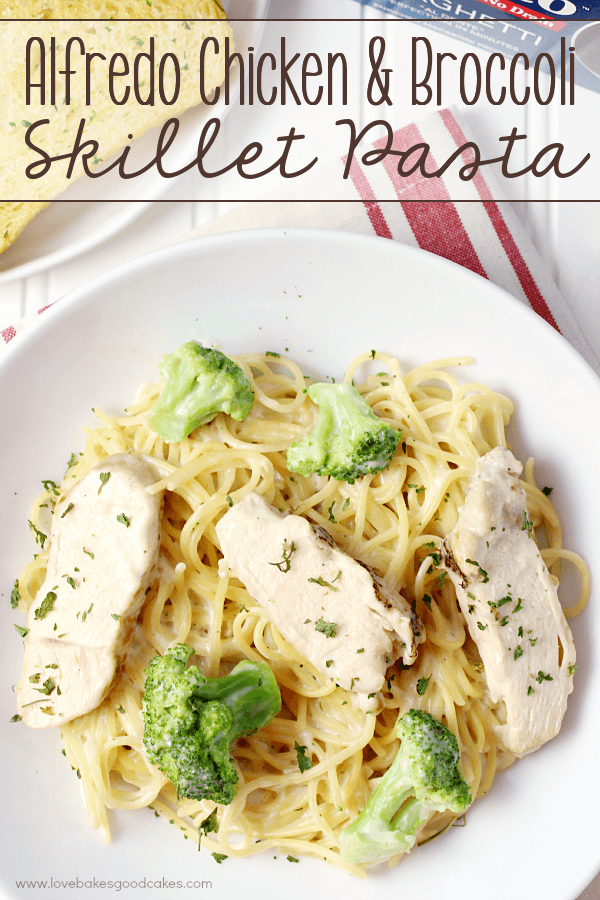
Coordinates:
[511,605]
[333,609]
[103,550]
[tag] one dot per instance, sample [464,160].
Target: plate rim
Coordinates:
[83,293]
[89,293]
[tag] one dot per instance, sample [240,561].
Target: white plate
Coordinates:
[79,222]
[325,296]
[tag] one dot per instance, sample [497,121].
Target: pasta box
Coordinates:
[532,28]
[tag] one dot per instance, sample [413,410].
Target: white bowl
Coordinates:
[325,296]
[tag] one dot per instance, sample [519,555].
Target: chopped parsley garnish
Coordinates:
[527,524]
[47,687]
[482,572]
[46,606]
[481,626]
[326,628]
[122,518]
[346,504]
[72,461]
[427,600]
[35,679]
[219,857]
[50,487]
[15,594]
[16,718]
[503,600]
[67,510]
[89,553]
[542,676]
[440,579]
[325,584]
[22,631]
[518,652]
[422,685]
[40,537]
[292,858]
[229,500]
[533,641]
[328,662]
[208,825]
[285,564]
[362,650]
[547,491]
[330,514]
[571,667]
[519,605]
[71,582]
[272,353]
[304,763]
[530,690]
[115,616]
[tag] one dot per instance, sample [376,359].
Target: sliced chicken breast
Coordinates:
[511,604]
[103,549]
[334,610]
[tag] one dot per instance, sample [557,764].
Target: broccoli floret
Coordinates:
[190,721]
[199,383]
[423,778]
[348,439]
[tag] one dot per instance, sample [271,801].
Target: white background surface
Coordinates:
[567,234]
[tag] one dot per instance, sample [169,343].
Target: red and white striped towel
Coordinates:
[453,218]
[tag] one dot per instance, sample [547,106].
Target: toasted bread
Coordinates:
[110,125]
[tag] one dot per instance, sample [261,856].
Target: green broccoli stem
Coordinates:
[424,777]
[250,692]
[342,412]
[388,823]
[390,805]
[412,815]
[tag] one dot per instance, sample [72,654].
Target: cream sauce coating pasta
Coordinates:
[394,521]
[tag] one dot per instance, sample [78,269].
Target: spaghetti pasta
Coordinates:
[394,521]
